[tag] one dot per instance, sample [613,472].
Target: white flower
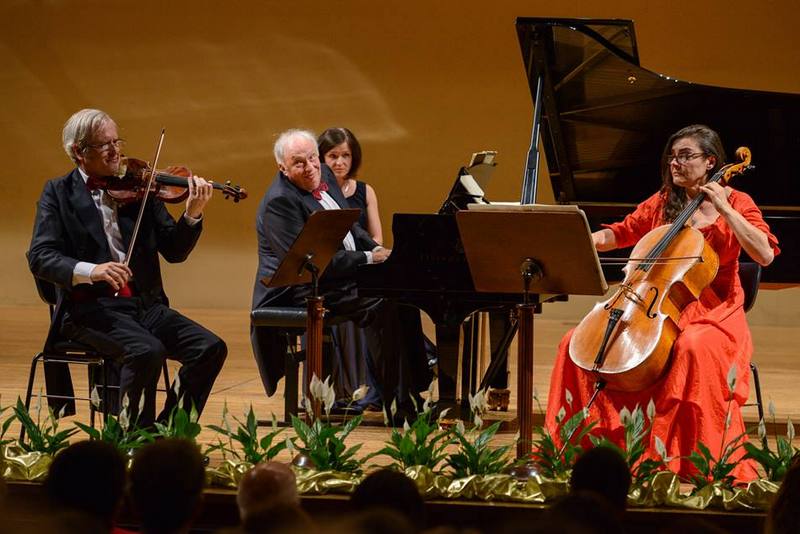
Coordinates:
[360,393]
[385,417]
[176,385]
[274,421]
[406,426]
[568,397]
[426,405]
[789,430]
[625,416]
[562,413]
[731,379]
[477,403]
[329,399]
[443,413]
[460,427]
[63,410]
[315,387]
[431,387]
[516,437]
[307,406]
[95,398]
[651,409]
[771,408]
[141,404]
[661,449]
[393,408]
[728,420]
[126,401]
[477,421]
[124,421]
[762,429]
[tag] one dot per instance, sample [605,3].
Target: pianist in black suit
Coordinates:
[302,186]
[79,243]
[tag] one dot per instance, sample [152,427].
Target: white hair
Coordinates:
[80,127]
[284,138]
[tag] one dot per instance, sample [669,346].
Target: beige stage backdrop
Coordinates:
[423,84]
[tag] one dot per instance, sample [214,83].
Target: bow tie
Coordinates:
[318,191]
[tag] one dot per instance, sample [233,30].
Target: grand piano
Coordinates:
[603,121]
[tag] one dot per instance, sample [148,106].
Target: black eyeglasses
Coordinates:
[105,147]
[683,159]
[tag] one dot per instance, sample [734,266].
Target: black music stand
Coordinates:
[304,263]
[543,250]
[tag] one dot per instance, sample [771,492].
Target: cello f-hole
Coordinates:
[650,314]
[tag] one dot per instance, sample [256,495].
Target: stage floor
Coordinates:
[23,330]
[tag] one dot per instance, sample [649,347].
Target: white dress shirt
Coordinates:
[349,241]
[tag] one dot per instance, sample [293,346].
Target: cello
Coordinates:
[626,340]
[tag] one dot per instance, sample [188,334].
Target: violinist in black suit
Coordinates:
[80,241]
[302,186]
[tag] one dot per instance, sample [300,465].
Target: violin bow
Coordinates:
[150,181]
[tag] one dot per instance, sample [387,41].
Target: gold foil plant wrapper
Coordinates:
[755,496]
[500,487]
[228,473]
[665,490]
[312,482]
[21,465]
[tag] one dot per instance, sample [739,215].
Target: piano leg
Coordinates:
[447,343]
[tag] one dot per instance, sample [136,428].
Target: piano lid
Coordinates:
[605,118]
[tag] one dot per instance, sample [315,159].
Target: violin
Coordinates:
[626,341]
[170,185]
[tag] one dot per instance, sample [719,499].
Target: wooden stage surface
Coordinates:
[23,328]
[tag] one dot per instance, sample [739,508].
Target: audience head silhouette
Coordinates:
[390,489]
[603,470]
[784,515]
[167,480]
[266,486]
[89,477]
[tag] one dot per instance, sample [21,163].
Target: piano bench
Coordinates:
[290,322]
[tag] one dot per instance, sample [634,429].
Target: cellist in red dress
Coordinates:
[691,399]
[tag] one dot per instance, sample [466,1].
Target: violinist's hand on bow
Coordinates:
[113,273]
[717,194]
[199,194]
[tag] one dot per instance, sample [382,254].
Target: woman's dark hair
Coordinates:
[710,144]
[333,137]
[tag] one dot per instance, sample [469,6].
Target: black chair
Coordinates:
[290,322]
[60,350]
[750,278]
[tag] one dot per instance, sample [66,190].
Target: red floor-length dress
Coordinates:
[691,399]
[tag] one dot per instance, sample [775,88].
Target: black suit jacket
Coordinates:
[68,229]
[281,216]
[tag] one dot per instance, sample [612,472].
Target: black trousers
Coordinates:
[394,336]
[141,336]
